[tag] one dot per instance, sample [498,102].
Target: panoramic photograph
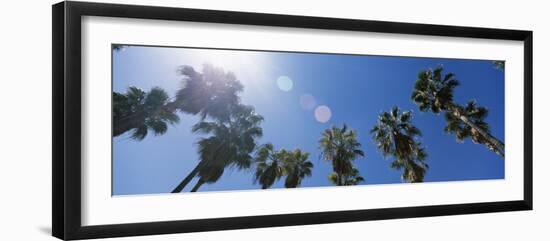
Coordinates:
[188,119]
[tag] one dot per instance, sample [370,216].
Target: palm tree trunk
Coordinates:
[194,173]
[198,185]
[187,179]
[339,169]
[344,180]
[498,152]
[494,141]
[494,149]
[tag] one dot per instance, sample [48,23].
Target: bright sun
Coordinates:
[250,67]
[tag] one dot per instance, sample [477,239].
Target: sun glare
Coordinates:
[323,113]
[251,68]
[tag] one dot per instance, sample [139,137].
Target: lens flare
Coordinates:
[285,83]
[323,113]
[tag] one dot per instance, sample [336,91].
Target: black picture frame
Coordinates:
[66,167]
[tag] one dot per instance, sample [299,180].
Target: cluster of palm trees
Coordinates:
[273,164]
[229,130]
[434,93]
[396,136]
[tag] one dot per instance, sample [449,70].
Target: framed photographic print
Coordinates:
[170,120]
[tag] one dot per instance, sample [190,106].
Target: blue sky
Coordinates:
[355,89]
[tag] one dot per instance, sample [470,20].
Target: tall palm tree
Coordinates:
[351,179]
[212,93]
[229,145]
[297,167]
[477,116]
[434,93]
[395,135]
[140,111]
[270,165]
[340,146]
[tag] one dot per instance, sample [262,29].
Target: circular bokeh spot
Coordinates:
[285,83]
[307,101]
[323,113]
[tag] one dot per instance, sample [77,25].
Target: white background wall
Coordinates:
[25,119]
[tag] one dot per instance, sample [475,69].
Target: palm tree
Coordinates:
[270,165]
[340,146]
[212,93]
[142,111]
[297,168]
[395,135]
[499,64]
[229,145]
[477,116]
[350,179]
[434,93]
[119,47]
